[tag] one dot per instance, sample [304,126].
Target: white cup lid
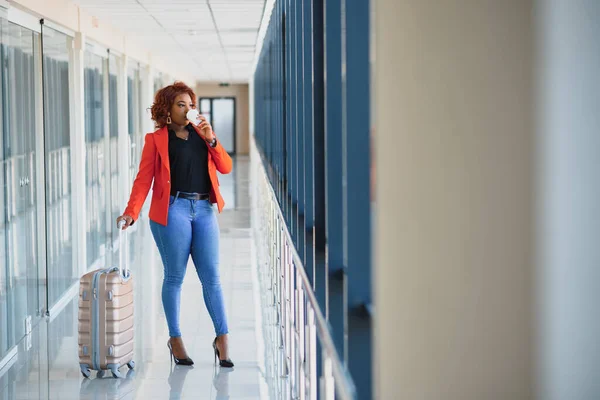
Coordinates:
[192,115]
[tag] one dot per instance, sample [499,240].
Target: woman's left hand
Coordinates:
[205,129]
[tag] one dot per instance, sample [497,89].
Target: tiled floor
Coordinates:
[46,366]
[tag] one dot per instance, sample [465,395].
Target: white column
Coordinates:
[568,204]
[453,242]
[78,152]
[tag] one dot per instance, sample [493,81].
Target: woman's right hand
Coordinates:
[128,221]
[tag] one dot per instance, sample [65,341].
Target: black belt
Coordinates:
[191,196]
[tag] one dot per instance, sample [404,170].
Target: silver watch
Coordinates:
[213,143]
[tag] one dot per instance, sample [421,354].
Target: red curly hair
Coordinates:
[164,99]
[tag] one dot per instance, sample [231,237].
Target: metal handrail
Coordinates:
[344,387]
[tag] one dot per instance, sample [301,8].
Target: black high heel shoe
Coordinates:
[223,363]
[179,361]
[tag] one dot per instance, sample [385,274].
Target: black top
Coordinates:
[189,163]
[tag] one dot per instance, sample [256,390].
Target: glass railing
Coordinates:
[301,361]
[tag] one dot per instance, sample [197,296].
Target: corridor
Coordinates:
[413,210]
[47,367]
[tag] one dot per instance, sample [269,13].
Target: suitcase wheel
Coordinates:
[131,364]
[100,374]
[85,371]
[116,373]
[114,368]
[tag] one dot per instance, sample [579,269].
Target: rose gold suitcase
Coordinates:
[106,318]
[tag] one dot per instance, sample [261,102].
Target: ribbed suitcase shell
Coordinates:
[112,321]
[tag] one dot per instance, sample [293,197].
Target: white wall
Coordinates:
[568,74]
[454,176]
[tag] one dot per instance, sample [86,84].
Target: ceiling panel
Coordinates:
[218,37]
[238,39]
[239,58]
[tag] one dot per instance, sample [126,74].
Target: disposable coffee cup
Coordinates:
[192,116]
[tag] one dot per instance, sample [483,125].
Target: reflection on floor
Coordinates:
[46,366]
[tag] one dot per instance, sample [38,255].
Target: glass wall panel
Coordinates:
[96,168]
[136,137]
[133,97]
[132,121]
[19,277]
[61,271]
[220,112]
[158,82]
[112,156]
[134,117]
[205,110]
[3,257]
[224,122]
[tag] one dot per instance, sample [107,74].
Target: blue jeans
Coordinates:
[192,228]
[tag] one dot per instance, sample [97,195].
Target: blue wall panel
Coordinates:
[312,102]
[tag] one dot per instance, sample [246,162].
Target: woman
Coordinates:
[183,159]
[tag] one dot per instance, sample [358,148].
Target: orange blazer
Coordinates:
[154,166]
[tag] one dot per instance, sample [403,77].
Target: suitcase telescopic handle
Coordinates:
[123,250]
